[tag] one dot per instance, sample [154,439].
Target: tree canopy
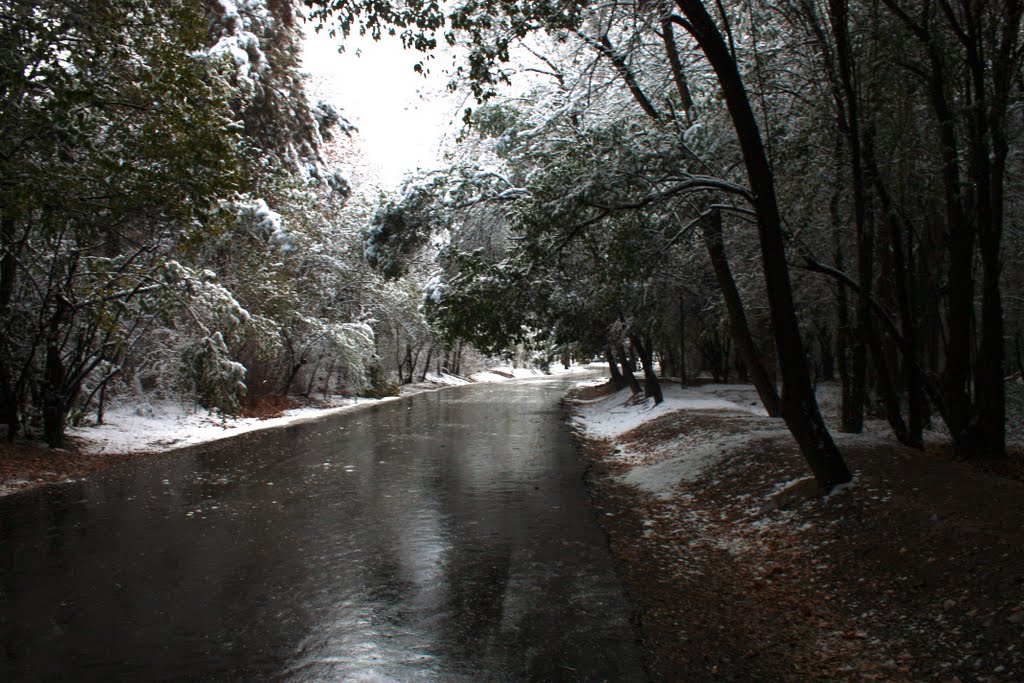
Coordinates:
[788,191]
[868,146]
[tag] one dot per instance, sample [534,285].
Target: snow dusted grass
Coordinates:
[443,380]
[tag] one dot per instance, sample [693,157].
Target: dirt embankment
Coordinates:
[915,573]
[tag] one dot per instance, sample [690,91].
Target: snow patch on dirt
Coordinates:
[620,412]
[689,462]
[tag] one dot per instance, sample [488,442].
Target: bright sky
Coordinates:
[402,116]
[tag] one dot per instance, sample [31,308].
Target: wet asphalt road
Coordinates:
[446,537]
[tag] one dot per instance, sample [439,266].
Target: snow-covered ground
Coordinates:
[162,425]
[659,468]
[619,413]
[715,494]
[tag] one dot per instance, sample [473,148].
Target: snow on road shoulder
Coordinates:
[619,413]
[658,466]
[133,427]
[163,425]
[445,380]
[505,373]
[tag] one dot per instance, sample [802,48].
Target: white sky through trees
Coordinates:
[402,116]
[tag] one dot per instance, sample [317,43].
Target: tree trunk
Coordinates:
[859,146]
[312,377]
[457,359]
[8,401]
[799,405]
[627,372]
[426,364]
[738,327]
[615,376]
[292,374]
[990,150]
[715,351]
[960,306]
[849,124]
[828,359]
[9,407]
[652,386]
[1020,357]
[407,363]
[398,352]
[101,403]
[903,268]
[55,408]
[989,428]
[327,378]
[682,341]
[667,363]
[851,413]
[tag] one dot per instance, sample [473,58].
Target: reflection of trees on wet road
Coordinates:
[443,537]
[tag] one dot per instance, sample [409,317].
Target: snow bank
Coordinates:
[163,425]
[619,413]
[445,380]
[688,456]
[505,373]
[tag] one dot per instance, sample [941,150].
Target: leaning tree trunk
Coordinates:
[615,376]
[799,405]
[627,371]
[55,407]
[682,341]
[652,386]
[859,145]
[738,326]
[426,364]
